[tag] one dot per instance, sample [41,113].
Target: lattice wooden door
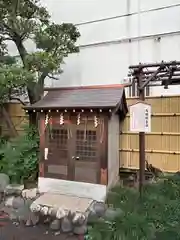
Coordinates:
[87,154]
[73,152]
[56,166]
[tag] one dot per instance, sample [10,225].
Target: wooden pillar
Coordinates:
[42,144]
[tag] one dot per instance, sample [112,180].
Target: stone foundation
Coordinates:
[62,213]
[67,214]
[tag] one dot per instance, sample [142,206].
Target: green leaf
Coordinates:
[20,156]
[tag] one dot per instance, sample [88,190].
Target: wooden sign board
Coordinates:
[140,117]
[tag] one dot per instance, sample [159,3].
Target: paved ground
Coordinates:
[12,232]
[9,231]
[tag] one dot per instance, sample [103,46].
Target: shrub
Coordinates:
[20,156]
[155,216]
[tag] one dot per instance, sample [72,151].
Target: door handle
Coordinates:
[76,158]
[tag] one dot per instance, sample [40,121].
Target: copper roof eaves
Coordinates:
[52,101]
[63,107]
[87,87]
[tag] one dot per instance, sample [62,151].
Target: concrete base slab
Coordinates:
[66,202]
[96,192]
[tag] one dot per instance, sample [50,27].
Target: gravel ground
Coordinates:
[9,231]
[12,232]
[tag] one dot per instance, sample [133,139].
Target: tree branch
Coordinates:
[43,76]
[21,49]
[16,6]
[41,83]
[5,39]
[52,77]
[17,99]
[7,30]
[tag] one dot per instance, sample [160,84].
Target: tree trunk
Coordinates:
[23,53]
[34,90]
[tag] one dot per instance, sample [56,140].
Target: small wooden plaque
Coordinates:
[41,169]
[103,176]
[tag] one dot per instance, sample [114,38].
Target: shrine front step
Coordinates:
[49,202]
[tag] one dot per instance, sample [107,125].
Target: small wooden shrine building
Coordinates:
[79,139]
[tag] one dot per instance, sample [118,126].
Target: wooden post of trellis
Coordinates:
[165,73]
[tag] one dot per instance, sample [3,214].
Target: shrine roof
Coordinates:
[109,96]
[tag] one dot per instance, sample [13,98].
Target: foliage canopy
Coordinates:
[27,20]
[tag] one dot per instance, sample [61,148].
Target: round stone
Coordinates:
[18,202]
[99,208]
[55,225]
[81,230]
[4,181]
[66,225]
[112,213]
[78,219]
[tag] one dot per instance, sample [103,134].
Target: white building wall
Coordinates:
[115,34]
